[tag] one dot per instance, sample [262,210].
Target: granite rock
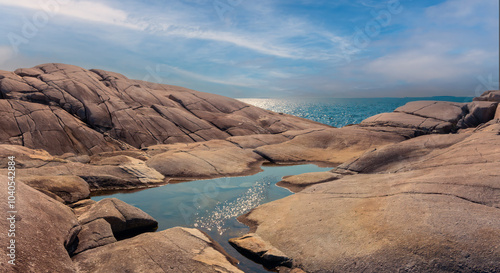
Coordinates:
[434,209]
[64,108]
[491,95]
[172,250]
[123,218]
[70,189]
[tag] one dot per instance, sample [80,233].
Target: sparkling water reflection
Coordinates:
[213,205]
[339,112]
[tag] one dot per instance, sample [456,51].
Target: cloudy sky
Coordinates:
[266,48]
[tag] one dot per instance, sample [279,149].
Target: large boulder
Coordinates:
[479,112]
[172,250]
[214,158]
[94,234]
[44,232]
[70,189]
[123,218]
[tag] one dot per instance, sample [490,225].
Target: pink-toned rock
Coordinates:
[491,95]
[172,250]
[63,108]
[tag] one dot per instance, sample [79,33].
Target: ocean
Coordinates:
[339,112]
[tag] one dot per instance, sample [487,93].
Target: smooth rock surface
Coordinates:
[70,189]
[43,230]
[297,183]
[435,209]
[204,160]
[252,246]
[122,217]
[172,250]
[102,177]
[329,146]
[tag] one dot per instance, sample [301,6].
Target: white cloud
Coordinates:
[465,12]
[421,65]
[85,10]
[6,53]
[266,40]
[240,81]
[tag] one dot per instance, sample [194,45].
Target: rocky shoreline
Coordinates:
[416,190]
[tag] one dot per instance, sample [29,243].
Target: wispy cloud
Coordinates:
[272,42]
[423,65]
[290,46]
[84,10]
[234,81]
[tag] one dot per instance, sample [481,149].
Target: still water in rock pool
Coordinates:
[213,205]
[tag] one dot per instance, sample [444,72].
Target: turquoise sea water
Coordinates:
[339,112]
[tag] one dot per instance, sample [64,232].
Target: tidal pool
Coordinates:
[213,205]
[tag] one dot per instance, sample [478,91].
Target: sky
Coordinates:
[266,48]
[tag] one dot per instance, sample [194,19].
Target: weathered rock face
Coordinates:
[435,208]
[172,250]
[50,128]
[63,108]
[94,234]
[43,228]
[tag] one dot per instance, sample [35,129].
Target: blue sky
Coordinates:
[266,48]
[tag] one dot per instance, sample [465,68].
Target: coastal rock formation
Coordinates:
[416,190]
[435,208]
[172,250]
[63,108]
